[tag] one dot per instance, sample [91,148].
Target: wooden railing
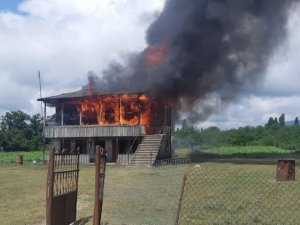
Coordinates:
[83,158]
[93,131]
[124,159]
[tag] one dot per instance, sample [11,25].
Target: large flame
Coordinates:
[155,54]
[123,109]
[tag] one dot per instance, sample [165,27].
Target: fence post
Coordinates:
[100,166]
[285,170]
[49,185]
[180,199]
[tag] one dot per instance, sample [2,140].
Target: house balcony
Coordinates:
[76,131]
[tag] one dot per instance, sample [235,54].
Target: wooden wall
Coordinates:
[93,131]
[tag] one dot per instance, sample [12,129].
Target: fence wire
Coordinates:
[220,196]
[143,195]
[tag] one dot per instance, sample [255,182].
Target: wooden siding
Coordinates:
[93,131]
[124,159]
[83,158]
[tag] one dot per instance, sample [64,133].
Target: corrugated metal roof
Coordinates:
[76,94]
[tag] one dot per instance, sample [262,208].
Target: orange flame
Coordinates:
[124,109]
[155,54]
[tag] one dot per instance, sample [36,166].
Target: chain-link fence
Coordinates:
[143,195]
[225,195]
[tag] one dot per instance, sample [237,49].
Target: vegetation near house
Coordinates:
[20,131]
[273,133]
[296,122]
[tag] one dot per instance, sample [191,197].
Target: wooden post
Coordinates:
[285,170]
[99,183]
[62,115]
[80,117]
[180,200]
[119,99]
[49,190]
[45,115]
[117,148]
[139,107]
[100,112]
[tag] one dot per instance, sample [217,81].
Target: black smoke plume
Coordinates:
[201,53]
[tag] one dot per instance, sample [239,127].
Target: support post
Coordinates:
[180,200]
[49,191]
[99,183]
[119,99]
[44,127]
[45,116]
[100,112]
[80,117]
[285,170]
[62,115]
[139,107]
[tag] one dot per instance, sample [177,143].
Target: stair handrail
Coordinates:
[161,128]
[131,146]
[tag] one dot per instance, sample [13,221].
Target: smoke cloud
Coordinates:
[201,53]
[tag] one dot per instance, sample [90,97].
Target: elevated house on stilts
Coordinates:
[133,128]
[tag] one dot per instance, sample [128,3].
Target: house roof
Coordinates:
[75,94]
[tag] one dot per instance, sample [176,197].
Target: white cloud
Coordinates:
[64,39]
[283,73]
[255,111]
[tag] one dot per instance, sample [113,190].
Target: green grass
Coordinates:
[233,194]
[246,150]
[132,195]
[239,154]
[28,157]
[216,194]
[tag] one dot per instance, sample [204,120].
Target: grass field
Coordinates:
[10,157]
[145,196]
[239,154]
[246,150]
[222,194]
[132,195]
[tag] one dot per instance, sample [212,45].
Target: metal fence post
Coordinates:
[100,166]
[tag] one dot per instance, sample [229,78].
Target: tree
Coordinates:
[296,122]
[20,132]
[282,120]
[184,124]
[270,122]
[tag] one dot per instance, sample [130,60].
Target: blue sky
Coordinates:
[9,5]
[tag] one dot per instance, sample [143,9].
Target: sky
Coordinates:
[64,39]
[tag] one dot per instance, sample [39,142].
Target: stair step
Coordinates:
[147,150]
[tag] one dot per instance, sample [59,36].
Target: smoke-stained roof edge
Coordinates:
[78,94]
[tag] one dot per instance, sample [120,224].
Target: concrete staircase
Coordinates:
[147,150]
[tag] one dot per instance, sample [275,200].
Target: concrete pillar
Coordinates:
[109,149]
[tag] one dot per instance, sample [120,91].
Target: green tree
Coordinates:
[270,122]
[296,122]
[20,132]
[184,124]
[282,120]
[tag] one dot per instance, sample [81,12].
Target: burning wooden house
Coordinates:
[132,127]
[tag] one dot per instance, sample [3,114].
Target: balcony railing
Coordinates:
[93,131]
